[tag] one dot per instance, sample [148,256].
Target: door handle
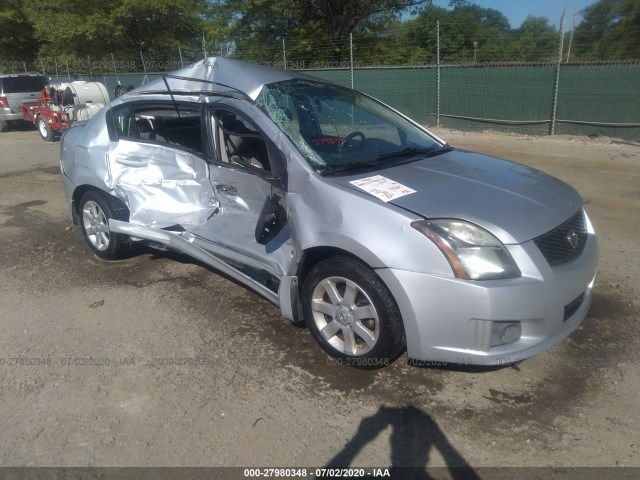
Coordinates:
[228,189]
[132,162]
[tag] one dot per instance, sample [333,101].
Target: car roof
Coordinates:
[23,74]
[219,74]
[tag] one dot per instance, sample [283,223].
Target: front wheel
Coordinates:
[352,314]
[45,132]
[96,208]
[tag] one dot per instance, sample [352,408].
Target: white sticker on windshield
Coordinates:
[382,187]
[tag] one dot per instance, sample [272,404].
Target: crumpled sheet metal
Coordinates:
[247,78]
[173,189]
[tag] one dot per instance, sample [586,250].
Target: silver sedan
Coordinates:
[343,212]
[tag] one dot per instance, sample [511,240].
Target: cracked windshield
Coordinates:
[338,130]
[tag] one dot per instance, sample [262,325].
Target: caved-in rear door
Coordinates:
[156,166]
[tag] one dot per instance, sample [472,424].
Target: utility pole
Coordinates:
[475,52]
[556,85]
[573,29]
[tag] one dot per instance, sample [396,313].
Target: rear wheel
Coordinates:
[3,126]
[96,208]
[352,314]
[43,129]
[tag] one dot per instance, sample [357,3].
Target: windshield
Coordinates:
[339,129]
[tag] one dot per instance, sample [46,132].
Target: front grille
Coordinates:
[564,243]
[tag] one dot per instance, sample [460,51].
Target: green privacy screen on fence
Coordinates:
[592,99]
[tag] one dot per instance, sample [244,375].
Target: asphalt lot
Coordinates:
[86,380]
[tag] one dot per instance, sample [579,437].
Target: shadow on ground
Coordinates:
[414,436]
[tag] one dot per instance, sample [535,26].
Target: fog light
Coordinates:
[505,332]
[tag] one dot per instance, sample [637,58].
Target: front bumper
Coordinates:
[449,321]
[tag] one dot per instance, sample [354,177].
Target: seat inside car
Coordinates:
[242,145]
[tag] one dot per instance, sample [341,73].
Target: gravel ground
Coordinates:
[264,393]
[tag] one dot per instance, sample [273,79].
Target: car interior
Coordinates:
[242,146]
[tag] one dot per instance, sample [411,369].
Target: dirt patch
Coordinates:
[157,360]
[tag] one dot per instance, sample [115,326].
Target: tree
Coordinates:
[17,41]
[465,31]
[535,41]
[81,28]
[610,30]
[313,28]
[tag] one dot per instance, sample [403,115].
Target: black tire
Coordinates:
[3,126]
[344,339]
[95,210]
[43,129]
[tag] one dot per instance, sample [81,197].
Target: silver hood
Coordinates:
[514,202]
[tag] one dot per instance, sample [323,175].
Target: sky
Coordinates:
[518,10]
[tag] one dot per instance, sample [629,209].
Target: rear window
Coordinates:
[22,84]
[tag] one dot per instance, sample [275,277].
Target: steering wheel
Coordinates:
[347,142]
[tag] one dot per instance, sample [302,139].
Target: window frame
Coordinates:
[136,106]
[277,173]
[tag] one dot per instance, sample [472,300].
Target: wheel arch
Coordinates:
[311,256]
[77,194]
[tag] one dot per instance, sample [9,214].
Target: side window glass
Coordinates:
[160,124]
[125,124]
[239,143]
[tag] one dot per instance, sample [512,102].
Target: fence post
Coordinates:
[68,73]
[284,54]
[145,79]
[90,70]
[351,57]
[556,83]
[438,73]
[204,47]
[115,70]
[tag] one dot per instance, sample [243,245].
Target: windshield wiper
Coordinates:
[349,166]
[412,151]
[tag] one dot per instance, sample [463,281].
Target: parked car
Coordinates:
[343,212]
[17,90]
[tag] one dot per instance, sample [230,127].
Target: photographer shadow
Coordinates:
[414,434]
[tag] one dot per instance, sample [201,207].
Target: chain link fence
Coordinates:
[472,87]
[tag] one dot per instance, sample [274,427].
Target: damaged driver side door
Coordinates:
[248,176]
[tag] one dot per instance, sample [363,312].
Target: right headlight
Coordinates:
[472,252]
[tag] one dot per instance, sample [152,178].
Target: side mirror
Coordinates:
[271,220]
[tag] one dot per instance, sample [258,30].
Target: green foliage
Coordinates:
[17,40]
[94,28]
[610,30]
[314,29]
[316,32]
[535,41]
